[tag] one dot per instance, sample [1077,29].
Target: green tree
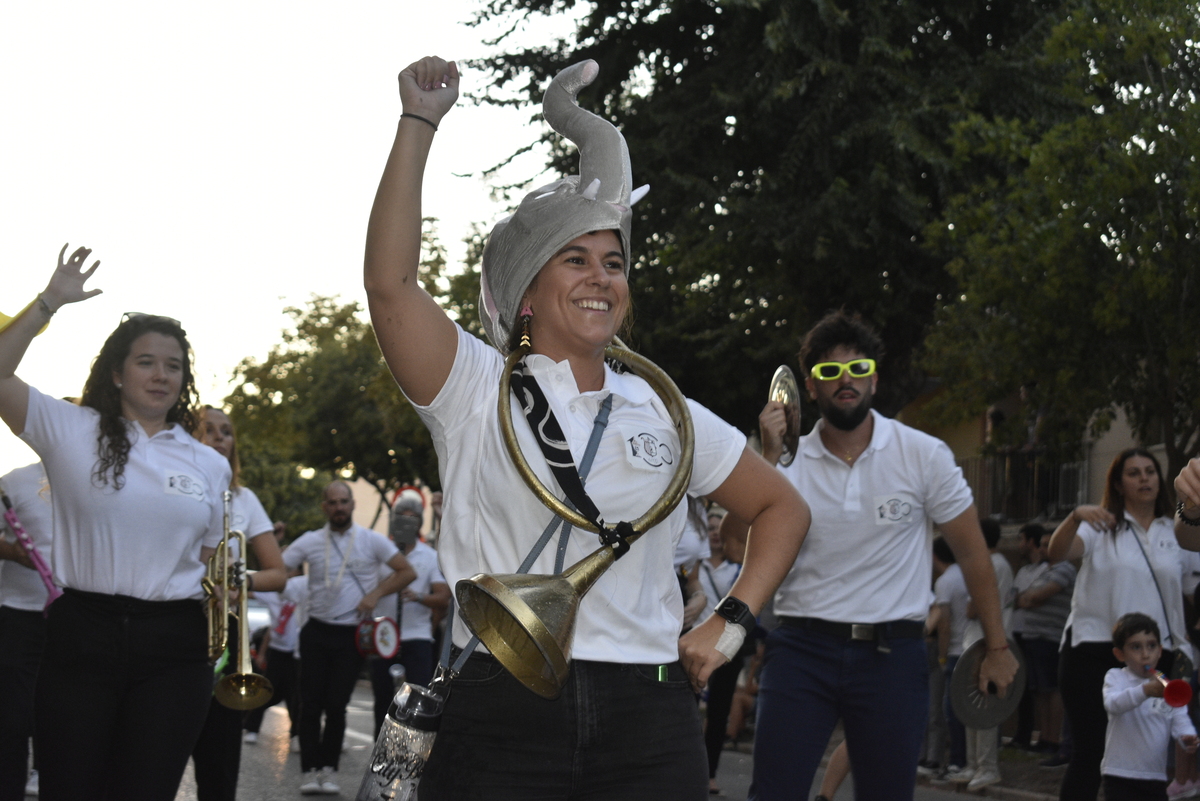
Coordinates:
[796,151]
[1078,274]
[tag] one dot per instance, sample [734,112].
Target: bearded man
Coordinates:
[852,608]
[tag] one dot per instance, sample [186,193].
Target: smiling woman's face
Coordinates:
[580,297]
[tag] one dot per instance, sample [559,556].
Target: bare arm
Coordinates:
[416,337]
[1064,544]
[970,551]
[398,580]
[1187,489]
[779,518]
[66,286]
[1036,596]
[272,575]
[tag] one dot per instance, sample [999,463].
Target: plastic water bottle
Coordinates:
[403,746]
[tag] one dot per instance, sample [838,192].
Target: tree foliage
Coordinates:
[1078,273]
[796,151]
[323,399]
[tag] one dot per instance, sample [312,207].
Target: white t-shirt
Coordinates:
[1114,580]
[342,568]
[716,583]
[491,520]
[22,587]
[866,556]
[143,540]
[248,516]
[951,590]
[693,545]
[416,619]
[1004,588]
[1139,728]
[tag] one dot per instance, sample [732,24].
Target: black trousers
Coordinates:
[721,685]
[283,672]
[122,694]
[22,638]
[1081,672]
[217,755]
[1119,788]
[329,668]
[417,658]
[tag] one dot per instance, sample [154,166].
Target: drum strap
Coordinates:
[589,455]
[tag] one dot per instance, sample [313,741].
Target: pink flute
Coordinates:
[26,544]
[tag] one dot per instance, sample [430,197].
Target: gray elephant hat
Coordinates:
[598,199]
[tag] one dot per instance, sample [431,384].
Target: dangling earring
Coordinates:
[526,316]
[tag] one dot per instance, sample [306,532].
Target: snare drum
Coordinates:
[377,637]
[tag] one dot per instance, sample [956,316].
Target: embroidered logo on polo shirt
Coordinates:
[183,484]
[647,450]
[891,509]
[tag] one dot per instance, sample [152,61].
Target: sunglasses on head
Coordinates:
[831,371]
[142,316]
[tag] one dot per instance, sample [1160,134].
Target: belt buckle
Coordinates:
[862,631]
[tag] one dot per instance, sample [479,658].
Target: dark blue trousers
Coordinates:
[809,680]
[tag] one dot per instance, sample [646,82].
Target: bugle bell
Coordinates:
[1176,692]
[244,689]
[978,710]
[785,390]
[527,621]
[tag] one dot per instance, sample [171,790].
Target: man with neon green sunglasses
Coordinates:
[853,606]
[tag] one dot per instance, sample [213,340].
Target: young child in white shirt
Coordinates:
[1140,723]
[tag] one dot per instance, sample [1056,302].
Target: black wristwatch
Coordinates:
[736,611]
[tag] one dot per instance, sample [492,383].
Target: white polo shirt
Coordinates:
[285,634]
[143,540]
[1139,728]
[1114,580]
[416,619]
[866,558]
[22,587]
[950,590]
[491,520]
[336,583]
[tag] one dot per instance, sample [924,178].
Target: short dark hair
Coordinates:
[1131,624]
[839,328]
[1034,532]
[941,549]
[991,531]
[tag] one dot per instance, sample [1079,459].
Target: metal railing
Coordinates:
[1016,487]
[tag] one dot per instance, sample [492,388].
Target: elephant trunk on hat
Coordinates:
[598,199]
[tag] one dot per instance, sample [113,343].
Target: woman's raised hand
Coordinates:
[1187,487]
[1098,516]
[429,88]
[66,285]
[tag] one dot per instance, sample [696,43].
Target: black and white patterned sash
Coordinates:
[553,443]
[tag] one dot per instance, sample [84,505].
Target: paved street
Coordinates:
[270,773]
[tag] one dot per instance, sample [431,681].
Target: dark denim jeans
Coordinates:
[809,680]
[615,732]
[329,667]
[122,693]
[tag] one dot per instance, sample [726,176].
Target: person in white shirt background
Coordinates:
[1130,563]
[344,587]
[23,596]
[125,683]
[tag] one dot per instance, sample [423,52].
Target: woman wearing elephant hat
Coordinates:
[554,285]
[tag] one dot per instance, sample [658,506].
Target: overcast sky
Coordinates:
[221,160]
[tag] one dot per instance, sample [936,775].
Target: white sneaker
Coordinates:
[329,785]
[958,775]
[985,778]
[250,738]
[310,783]
[31,786]
[295,746]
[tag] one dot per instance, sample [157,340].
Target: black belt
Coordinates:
[878,633]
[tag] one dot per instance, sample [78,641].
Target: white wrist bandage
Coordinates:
[731,640]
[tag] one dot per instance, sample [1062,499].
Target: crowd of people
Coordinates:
[811,593]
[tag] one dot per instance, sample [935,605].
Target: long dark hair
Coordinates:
[1114,501]
[101,394]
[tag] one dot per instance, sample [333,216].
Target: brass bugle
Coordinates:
[528,621]
[244,689]
[786,391]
